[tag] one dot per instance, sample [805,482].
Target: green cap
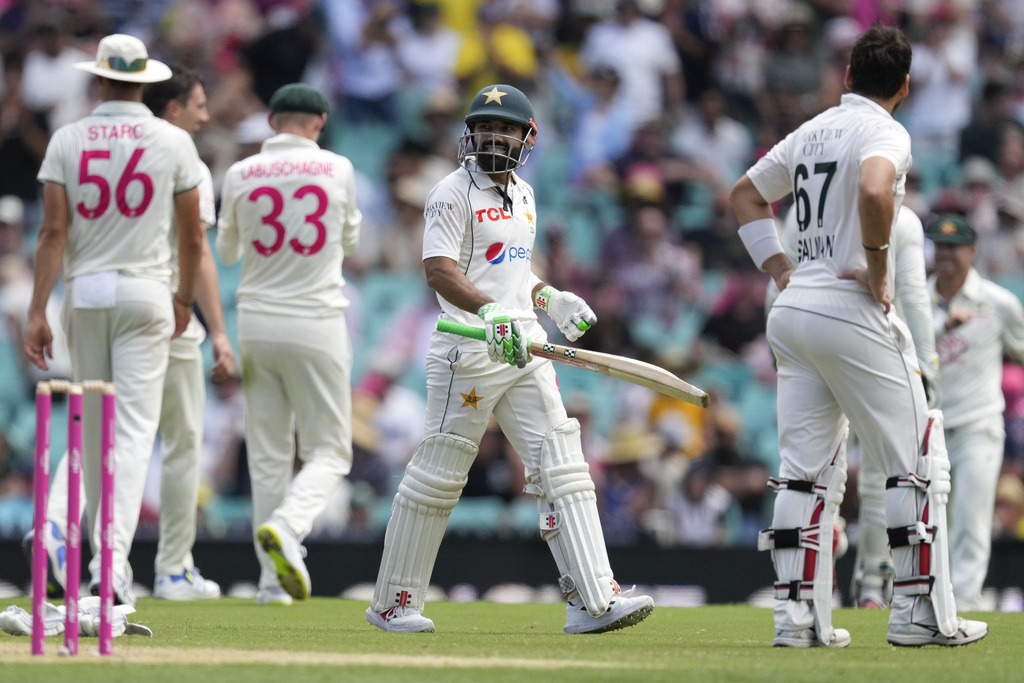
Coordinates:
[952,229]
[298,97]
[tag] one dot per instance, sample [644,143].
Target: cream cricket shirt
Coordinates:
[820,163]
[194,333]
[291,211]
[468,221]
[971,355]
[121,167]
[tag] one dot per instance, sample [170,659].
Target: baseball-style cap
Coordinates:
[952,229]
[298,97]
[124,58]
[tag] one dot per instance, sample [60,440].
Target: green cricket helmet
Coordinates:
[496,152]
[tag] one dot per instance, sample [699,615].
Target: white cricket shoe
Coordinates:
[274,595]
[56,558]
[918,635]
[287,553]
[189,585]
[808,637]
[402,619]
[623,610]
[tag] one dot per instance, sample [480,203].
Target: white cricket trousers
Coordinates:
[297,381]
[835,374]
[181,443]
[127,344]
[975,458]
[526,402]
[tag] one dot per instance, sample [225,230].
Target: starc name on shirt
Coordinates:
[278,169]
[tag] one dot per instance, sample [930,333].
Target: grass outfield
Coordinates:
[325,639]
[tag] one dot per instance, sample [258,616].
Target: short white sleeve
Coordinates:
[446,214]
[891,141]
[770,175]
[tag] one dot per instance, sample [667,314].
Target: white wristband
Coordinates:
[761,238]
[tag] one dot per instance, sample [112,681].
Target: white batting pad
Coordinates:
[431,487]
[801,539]
[569,521]
[916,517]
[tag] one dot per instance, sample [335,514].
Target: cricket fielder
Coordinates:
[291,212]
[181,99]
[480,228]
[977,322]
[113,181]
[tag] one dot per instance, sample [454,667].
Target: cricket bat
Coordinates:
[619,367]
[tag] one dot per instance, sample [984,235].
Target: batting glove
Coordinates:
[505,343]
[571,313]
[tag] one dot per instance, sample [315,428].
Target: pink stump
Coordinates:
[73,544]
[41,477]
[107,523]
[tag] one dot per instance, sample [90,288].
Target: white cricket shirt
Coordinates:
[820,164]
[971,355]
[121,167]
[468,221]
[291,212]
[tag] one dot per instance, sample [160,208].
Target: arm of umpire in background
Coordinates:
[208,297]
[190,249]
[749,206]
[876,208]
[53,234]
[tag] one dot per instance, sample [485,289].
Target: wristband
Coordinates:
[543,297]
[181,302]
[881,248]
[761,238]
[489,308]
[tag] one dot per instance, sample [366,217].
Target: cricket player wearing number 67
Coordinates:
[481,222]
[846,360]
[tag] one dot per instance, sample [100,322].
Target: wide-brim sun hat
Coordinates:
[121,57]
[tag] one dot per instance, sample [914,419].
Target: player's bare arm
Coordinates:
[53,234]
[876,209]
[750,207]
[190,248]
[208,297]
[445,278]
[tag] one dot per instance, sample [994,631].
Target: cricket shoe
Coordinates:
[123,594]
[623,610]
[402,619]
[56,558]
[808,637]
[919,635]
[189,585]
[273,595]
[286,552]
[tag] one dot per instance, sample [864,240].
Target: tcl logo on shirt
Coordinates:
[492,214]
[497,252]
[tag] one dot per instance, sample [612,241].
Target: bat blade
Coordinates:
[611,365]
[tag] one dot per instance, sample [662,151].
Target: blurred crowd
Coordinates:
[648,111]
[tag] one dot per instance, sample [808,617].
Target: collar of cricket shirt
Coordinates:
[288,140]
[121,107]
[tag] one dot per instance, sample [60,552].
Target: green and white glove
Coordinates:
[571,313]
[505,343]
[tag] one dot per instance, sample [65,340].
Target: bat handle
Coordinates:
[583,325]
[453,327]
